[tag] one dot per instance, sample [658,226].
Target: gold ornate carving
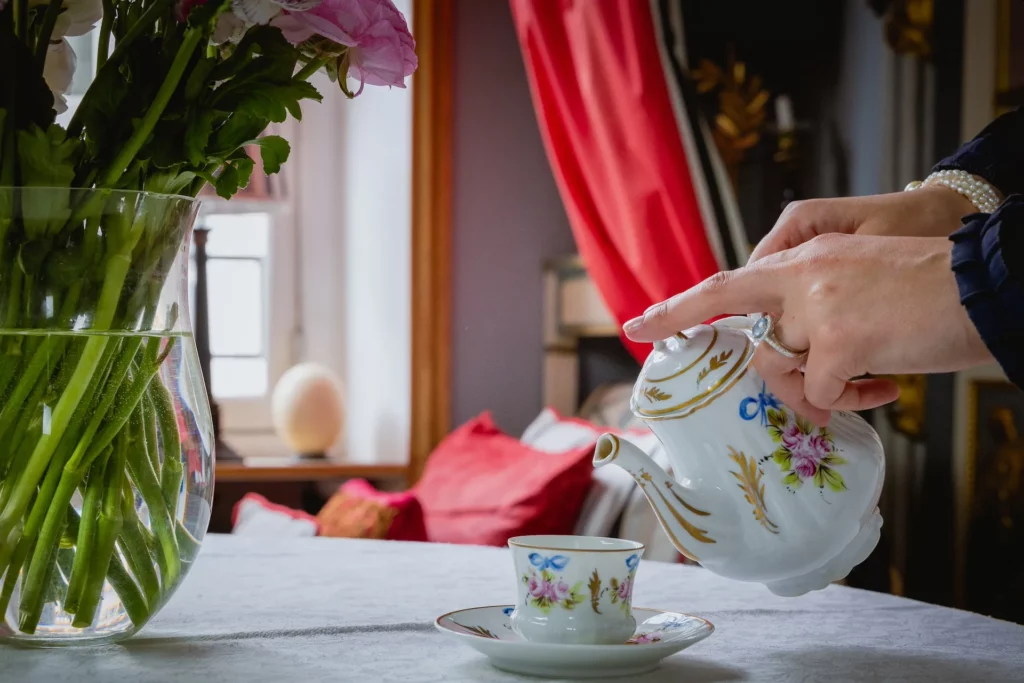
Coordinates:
[908,27]
[478,631]
[595,591]
[654,394]
[908,412]
[703,395]
[1003,478]
[696,533]
[714,338]
[749,478]
[741,108]
[717,362]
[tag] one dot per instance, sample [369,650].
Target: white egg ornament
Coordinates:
[308,408]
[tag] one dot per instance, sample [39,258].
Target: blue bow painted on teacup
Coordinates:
[761,404]
[556,562]
[632,561]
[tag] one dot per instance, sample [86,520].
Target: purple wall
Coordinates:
[508,219]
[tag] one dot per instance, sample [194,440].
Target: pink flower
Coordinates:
[807,450]
[626,590]
[186,6]
[535,587]
[381,49]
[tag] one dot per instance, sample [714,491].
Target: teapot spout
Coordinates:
[673,504]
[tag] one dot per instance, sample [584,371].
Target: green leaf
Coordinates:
[197,136]
[270,101]
[833,459]
[782,457]
[792,479]
[199,80]
[274,151]
[832,478]
[234,177]
[803,425]
[776,418]
[46,159]
[819,477]
[263,55]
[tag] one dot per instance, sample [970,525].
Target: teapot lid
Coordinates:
[690,369]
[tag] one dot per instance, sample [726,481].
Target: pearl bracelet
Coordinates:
[977,191]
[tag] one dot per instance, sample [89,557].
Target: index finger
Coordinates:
[753,288]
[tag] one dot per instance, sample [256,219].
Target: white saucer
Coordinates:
[658,635]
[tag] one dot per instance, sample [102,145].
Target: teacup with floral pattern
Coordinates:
[575,589]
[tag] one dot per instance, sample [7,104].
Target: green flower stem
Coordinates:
[13,572]
[171,471]
[148,436]
[106,24]
[146,483]
[20,17]
[28,620]
[49,485]
[74,471]
[311,67]
[126,588]
[30,531]
[107,530]
[51,348]
[86,542]
[49,21]
[71,398]
[120,579]
[187,543]
[193,36]
[137,550]
[22,441]
[136,30]
[129,396]
[14,297]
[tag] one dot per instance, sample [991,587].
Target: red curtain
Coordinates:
[614,144]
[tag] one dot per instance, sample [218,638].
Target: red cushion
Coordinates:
[358,510]
[481,486]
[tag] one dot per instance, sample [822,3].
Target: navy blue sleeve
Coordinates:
[996,154]
[993,294]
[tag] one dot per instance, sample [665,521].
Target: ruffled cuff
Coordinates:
[992,295]
[992,154]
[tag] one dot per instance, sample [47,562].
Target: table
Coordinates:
[315,610]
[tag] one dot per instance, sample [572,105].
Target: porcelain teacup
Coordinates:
[574,589]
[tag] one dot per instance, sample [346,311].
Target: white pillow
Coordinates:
[254,515]
[613,488]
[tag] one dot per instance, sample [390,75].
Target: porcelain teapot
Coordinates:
[757,493]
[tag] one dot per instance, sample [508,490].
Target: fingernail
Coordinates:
[634,324]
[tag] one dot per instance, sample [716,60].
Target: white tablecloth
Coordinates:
[311,610]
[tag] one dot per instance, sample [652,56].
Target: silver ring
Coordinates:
[764,330]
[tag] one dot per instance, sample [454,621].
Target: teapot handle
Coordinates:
[743,323]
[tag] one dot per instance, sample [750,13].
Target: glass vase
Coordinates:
[106,437]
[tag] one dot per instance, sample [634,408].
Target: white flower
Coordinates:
[58,72]
[77,18]
[262,11]
[229,29]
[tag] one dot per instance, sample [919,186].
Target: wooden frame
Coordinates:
[431,231]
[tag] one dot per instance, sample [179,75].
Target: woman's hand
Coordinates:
[861,305]
[926,212]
